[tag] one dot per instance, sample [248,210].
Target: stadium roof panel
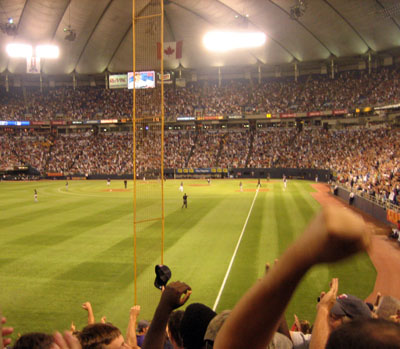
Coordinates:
[103,29]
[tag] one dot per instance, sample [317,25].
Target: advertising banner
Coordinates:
[210,117]
[288,115]
[314,113]
[340,112]
[185,118]
[118,81]
[38,123]
[14,123]
[392,216]
[207,170]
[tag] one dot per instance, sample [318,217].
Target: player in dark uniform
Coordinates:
[185,197]
[125,183]
[35,195]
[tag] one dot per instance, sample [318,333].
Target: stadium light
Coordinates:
[47,51]
[19,50]
[223,41]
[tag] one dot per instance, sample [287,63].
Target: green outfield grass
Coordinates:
[77,245]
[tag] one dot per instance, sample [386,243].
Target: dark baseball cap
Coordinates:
[351,306]
[163,274]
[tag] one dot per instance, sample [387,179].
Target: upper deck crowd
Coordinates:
[347,90]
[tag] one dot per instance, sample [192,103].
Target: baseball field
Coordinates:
[75,244]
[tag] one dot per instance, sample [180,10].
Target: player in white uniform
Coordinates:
[284,182]
[181,187]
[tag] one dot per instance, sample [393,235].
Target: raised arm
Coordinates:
[88,307]
[131,331]
[321,330]
[174,295]
[332,235]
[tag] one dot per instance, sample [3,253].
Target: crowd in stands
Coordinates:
[257,320]
[279,95]
[364,159]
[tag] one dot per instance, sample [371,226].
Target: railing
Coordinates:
[384,203]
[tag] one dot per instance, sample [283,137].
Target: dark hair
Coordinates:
[366,334]
[96,335]
[194,324]
[305,327]
[34,340]
[174,324]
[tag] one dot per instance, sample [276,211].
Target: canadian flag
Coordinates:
[172,50]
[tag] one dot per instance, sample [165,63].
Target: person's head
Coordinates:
[305,327]
[348,308]
[142,326]
[213,328]
[194,324]
[366,334]
[35,340]
[101,336]
[174,324]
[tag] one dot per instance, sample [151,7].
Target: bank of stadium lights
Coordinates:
[47,51]
[298,9]
[19,50]
[24,50]
[224,41]
[9,27]
[70,34]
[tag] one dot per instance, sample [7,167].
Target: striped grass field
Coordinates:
[76,245]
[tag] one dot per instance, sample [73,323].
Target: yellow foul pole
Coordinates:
[134,148]
[162,132]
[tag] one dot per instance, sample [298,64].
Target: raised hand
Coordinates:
[175,294]
[68,341]
[5,331]
[334,234]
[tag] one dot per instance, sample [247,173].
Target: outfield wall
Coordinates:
[291,173]
[365,205]
[273,173]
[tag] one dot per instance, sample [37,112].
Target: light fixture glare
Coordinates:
[19,50]
[227,41]
[47,51]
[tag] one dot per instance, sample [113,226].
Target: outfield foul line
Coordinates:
[234,253]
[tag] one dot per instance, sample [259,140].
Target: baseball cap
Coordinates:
[351,306]
[215,325]
[142,324]
[163,274]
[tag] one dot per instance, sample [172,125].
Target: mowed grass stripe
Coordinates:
[40,211]
[291,210]
[203,243]
[63,259]
[245,267]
